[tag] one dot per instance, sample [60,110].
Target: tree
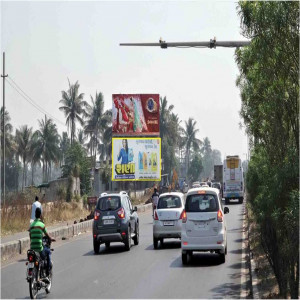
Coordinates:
[196,167]
[23,141]
[98,121]
[63,147]
[73,108]
[269,85]
[190,140]
[47,145]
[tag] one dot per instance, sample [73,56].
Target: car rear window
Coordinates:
[216,185]
[169,202]
[201,203]
[109,203]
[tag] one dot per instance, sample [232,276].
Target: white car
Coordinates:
[167,217]
[203,223]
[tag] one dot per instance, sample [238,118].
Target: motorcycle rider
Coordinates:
[36,231]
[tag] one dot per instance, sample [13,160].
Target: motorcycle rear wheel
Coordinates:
[33,289]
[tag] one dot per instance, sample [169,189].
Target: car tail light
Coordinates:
[121,213]
[96,215]
[220,216]
[184,218]
[155,215]
[30,257]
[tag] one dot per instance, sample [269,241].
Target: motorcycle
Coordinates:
[36,273]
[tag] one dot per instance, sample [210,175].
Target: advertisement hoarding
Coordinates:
[136,159]
[135,114]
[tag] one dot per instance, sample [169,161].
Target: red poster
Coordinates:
[135,114]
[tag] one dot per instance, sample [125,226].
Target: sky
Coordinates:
[48,42]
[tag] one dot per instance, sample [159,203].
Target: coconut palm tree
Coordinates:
[63,146]
[73,108]
[23,141]
[97,123]
[190,140]
[48,145]
[164,116]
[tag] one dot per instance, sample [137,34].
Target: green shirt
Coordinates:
[37,230]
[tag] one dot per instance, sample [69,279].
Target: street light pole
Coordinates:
[213,43]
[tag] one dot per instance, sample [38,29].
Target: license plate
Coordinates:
[108,222]
[168,223]
[30,265]
[200,224]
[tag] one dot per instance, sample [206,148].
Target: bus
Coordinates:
[233,179]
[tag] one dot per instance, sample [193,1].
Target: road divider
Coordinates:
[20,246]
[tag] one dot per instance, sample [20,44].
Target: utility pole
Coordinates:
[3,121]
[211,44]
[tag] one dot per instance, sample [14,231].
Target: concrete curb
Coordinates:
[20,246]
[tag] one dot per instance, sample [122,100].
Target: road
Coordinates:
[140,273]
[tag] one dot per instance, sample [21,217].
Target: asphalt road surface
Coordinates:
[140,273]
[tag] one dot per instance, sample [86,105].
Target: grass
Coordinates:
[15,217]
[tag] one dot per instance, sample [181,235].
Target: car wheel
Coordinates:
[241,200]
[136,238]
[107,244]
[96,247]
[184,258]
[161,243]
[155,242]
[128,239]
[222,258]
[226,250]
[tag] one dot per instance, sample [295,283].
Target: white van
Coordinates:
[203,223]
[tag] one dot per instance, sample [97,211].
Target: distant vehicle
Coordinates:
[233,179]
[218,175]
[115,220]
[195,184]
[217,185]
[203,183]
[203,223]
[167,217]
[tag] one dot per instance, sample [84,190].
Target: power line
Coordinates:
[17,88]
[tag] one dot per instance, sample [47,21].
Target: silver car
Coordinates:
[203,223]
[168,217]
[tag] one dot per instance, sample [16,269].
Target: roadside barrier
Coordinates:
[11,249]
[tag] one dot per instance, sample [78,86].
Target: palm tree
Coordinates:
[35,155]
[81,136]
[164,116]
[73,108]
[48,148]
[190,139]
[97,123]
[23,141]
[63,146]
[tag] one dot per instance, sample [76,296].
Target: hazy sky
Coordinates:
[46,43]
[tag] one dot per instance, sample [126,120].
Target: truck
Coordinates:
[233,179]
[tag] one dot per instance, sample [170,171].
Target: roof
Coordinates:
[172,193]
[104,194]
[203,188]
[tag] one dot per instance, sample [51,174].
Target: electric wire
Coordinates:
[17,88]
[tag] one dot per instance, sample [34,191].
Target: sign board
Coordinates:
[136,159]
[135,114]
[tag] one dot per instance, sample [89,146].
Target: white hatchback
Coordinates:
[203,223]
[168,217]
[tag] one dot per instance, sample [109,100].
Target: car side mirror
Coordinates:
[135,208]
[226,210]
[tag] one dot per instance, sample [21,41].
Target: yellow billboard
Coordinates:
[136,159]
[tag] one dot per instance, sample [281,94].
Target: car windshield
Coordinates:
[109,203]
[201,203]
[169,202]
[216,185]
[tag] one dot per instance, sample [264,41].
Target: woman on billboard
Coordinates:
[123,153]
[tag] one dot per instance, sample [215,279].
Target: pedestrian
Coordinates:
[154,197]
[34,206]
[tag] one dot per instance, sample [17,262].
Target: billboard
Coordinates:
[136,159]
[135,114]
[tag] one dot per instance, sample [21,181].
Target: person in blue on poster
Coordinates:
[123,154]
